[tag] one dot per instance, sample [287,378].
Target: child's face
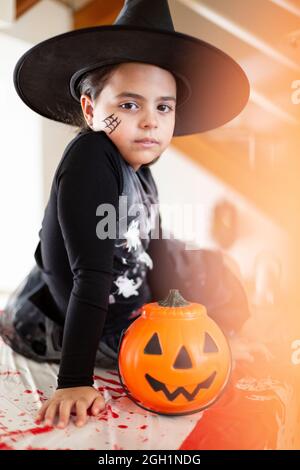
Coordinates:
[127,119]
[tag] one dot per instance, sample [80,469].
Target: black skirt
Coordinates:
[29,332]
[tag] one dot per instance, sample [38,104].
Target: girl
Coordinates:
[130,87]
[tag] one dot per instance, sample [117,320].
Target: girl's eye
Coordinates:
[166,106]
[162,105]
[124,104]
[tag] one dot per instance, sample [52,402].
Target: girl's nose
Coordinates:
[149,120]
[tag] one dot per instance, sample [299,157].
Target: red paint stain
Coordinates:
[105,412]
[27,391]
[5,447]
[113,413]
[111,372]
[110,381]
[10,372]
[144,426]
[113,389]
[34,431]
[122,426]
[117,447]
[40,392]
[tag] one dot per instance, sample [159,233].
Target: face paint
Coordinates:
[111,122]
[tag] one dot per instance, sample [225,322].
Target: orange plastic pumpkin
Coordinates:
[174,359]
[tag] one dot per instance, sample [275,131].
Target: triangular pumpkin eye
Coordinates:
[183,360]
[153,346]
[209,344]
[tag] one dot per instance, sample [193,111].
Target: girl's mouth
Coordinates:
[146,144]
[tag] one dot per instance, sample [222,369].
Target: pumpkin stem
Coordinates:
[174,299]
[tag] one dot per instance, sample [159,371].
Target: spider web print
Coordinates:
[112,122]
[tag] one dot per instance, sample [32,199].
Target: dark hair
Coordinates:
[92,83]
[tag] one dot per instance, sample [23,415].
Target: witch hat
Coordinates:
[212,88]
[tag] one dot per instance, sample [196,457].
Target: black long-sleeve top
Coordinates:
[96,282]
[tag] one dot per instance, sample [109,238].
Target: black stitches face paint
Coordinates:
[112,122]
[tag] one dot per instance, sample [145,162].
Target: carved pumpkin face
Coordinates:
[174,359]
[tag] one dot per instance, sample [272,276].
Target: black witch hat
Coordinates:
[211,87]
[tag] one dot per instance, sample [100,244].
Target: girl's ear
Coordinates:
[87,109]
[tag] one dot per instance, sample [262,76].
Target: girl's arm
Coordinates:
[85,180]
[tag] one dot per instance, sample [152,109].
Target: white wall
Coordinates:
[30,146]
[20,172]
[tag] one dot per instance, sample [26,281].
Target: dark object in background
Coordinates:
[202,277]
[224,224]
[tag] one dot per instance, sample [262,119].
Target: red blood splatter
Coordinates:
[40,392]
[104,414]
[113,413]
[5,447]
[122,426]
[27,391]
[112,372]
[117,447]
[113,389]
[10,372]
[110,381]
[144,426]
[27,431]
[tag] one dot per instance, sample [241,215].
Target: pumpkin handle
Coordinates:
[174,299]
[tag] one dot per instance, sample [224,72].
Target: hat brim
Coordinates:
[45,76]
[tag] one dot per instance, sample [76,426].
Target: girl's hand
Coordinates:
[64,399]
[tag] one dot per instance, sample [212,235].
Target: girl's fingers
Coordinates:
[50,414]
[42,410]
[98,405]
[81,406]
[64,413]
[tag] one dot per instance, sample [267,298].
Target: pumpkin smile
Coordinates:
[158,386]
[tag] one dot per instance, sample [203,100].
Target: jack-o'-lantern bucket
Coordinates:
[174,359]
